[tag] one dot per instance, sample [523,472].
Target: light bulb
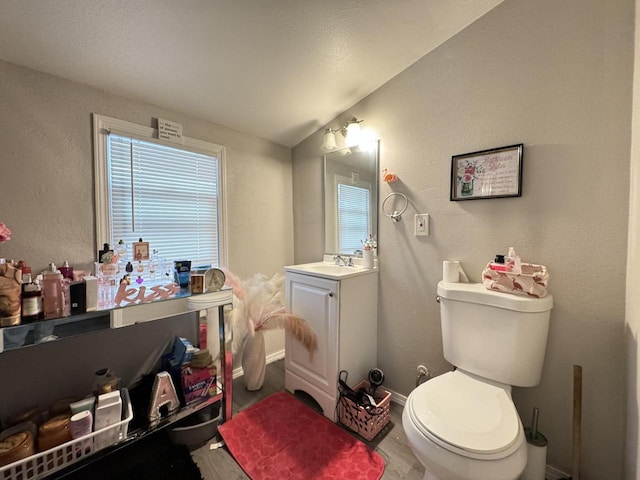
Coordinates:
[353,133]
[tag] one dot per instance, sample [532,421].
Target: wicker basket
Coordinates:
[365,422]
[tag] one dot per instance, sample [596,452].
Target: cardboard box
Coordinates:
[198,383]
[182,350]
[91,292]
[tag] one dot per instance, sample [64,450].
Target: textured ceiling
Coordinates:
[278,69]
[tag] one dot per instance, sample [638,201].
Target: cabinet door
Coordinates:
[314,299]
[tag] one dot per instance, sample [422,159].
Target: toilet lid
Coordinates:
[465,412]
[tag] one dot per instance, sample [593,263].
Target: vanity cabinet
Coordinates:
[343,313]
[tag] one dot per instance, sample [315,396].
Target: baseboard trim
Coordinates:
[396,397]
[279,355]
[272,357]
[552,473]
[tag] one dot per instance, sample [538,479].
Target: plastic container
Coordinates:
[196,429]
[366,423]
[57,458]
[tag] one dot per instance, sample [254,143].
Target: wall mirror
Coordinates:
[350,198]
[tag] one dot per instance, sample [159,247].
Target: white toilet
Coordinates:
[463,425]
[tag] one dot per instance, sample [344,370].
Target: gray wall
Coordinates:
[46,199]
[556,76]
[633,282]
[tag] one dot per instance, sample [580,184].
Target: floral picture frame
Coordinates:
[493,173]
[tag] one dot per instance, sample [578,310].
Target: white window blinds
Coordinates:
[353,217]
[168,196]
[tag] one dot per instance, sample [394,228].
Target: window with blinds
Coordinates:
[354,218]
[170,195]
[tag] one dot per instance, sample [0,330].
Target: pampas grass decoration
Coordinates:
[258,305]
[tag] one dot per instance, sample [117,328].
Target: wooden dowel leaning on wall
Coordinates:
[577,422]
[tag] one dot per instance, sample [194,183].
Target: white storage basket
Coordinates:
[44,463]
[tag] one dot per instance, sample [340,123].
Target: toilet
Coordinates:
[463,425]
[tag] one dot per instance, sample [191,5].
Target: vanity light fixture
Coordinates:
[351,131]
[329,140]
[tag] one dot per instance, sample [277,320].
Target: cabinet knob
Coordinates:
[331,294]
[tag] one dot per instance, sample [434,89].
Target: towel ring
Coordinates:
[396,216]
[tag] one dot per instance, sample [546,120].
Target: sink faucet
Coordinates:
[347,262]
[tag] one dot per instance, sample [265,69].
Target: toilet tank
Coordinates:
[499,336]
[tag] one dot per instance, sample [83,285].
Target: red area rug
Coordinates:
[281,438]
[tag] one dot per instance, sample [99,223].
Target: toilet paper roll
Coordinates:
[452,272]
[536,463]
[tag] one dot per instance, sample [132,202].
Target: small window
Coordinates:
[169,195]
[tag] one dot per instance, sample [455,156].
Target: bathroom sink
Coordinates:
[330,270]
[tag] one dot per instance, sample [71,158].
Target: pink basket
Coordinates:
[365,423]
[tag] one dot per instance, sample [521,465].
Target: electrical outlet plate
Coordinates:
[421,224]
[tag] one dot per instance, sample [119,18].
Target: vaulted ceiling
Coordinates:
[278,69]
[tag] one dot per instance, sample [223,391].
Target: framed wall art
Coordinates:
[494,173]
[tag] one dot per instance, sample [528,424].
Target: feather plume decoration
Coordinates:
[258,305]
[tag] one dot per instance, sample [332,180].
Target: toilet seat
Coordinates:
[467,415]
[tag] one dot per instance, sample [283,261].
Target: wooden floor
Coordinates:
[391,443]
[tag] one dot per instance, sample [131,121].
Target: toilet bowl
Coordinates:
[463,427]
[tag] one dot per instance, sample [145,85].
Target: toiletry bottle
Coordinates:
[31,298]
[513,262]
[498,264]
[66,297]
[105,381]
[52,296]
[66,270]
[105,249]
[121,249]
[367,256]
[152,269]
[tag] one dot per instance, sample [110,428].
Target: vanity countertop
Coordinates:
[328,269]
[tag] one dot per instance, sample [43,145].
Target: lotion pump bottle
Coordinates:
[52,295]
[514,265]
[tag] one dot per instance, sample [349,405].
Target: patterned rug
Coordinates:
[280,437]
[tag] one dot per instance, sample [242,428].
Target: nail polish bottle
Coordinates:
[66,270]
